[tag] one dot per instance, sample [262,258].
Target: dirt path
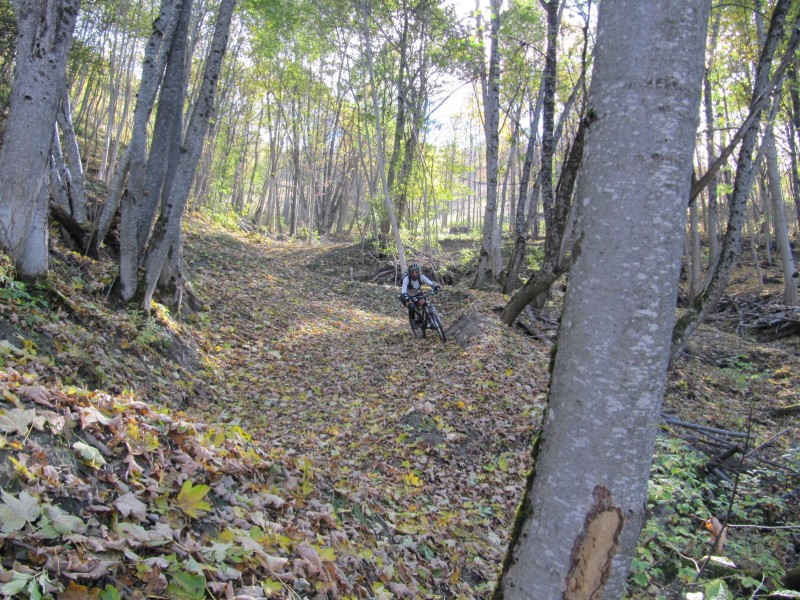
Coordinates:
[430,439]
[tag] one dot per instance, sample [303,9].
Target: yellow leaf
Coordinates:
[327,554]
[190,499]
[412,480]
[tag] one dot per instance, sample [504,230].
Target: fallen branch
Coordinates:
[703,428]
[784,411]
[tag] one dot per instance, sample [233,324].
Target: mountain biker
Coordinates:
[412,281]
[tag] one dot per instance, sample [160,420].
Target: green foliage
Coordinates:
[673,543]
[227,219]
[304,234]
[150,333]
[468,257]
[534,257]
[11,291]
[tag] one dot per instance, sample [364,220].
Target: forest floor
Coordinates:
[293,439]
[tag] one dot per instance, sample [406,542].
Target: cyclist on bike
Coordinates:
[412,282]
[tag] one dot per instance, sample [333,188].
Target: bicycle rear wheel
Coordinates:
[436,323]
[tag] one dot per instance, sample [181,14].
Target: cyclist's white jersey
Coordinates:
[414,284]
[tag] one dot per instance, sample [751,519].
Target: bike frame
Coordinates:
[427,314]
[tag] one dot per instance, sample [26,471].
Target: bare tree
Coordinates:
[490,82]
[166,243]
[731,247]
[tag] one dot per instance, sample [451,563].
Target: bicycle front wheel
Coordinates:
[416,329]
[436,324]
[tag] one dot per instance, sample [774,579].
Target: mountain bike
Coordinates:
[426,317]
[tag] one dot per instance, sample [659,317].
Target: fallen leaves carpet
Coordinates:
[308,447]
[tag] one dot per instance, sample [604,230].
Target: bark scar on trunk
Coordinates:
[594,548]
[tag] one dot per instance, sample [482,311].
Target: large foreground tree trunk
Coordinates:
[582,513]
[45,34]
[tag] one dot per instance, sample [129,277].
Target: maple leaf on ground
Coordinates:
[17,420]
[15,513]
[187,586]
[190,499]
[89,454]
[58,522]
[129,504]
[310,554]
[37,393]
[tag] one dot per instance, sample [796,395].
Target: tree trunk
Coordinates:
[152,71]
[551,241]
[399,128]
[379,142]
[763,208]
[59,175]
[555,266]
[745,172]
[169,226]
[712,219]
[795,174]
[141,200]
[521,223]
[44,35]
[694,254]
[794,137]
[582,512]
[164,153]
[780,225]
[77,184]
[491,111]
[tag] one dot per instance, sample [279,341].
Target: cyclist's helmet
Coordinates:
[413,271]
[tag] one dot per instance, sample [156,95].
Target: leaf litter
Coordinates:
[302,444]
[292,440]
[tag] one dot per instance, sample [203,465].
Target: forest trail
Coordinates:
[293,439]
[430,437]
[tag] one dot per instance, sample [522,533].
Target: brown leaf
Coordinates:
[75,591]
[36,393]
[308,553]
[129,504]
[273,501]
[273,564]
[81,568]
[400,589]
[155,580]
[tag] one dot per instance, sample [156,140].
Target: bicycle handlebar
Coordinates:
[424,295]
